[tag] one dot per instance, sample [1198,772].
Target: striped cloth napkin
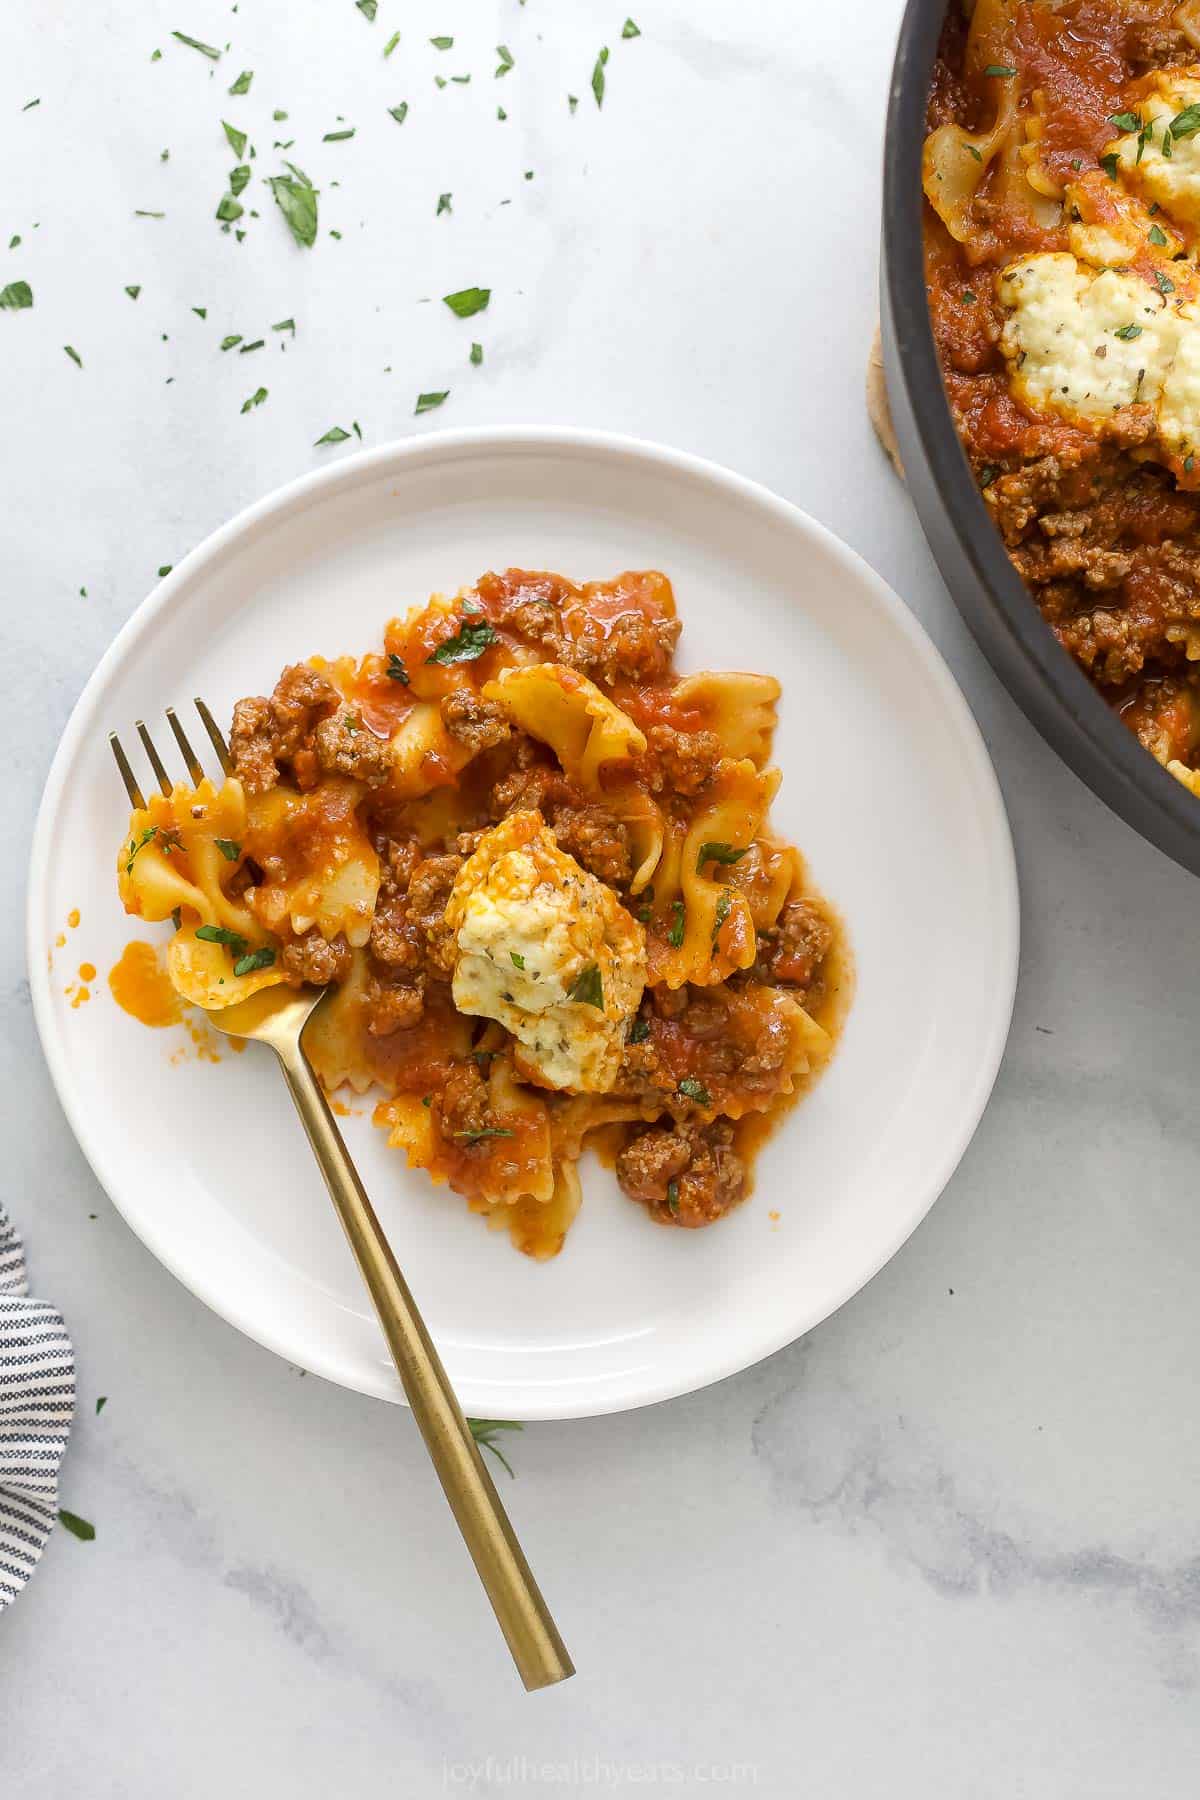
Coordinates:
[37,1403]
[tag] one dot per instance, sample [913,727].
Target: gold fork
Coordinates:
[277,1016]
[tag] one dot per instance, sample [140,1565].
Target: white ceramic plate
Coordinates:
[887,789]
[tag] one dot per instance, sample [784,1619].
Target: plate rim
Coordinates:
[447,445]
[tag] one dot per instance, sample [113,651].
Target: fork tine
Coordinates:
[215,736]
[194,768]
[136,797]
[156,762]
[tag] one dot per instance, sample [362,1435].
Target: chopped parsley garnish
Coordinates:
[629,29]
[141,213]
[442,43]
[220,934]
[1189,463]
[639,1031]
[256,399]
[724,902]
[1157,235]
[242,84]
[1110,164]
[444,205]
[718,853]
[987,475]
[518,962]
[396,670]
[74,355]
[427,402]
[488,1131]
[17,296]
[335,435]
[1168,142]
[572,102]
[476,355]
[506,59]
[134,291]
[296,198]
[1162,283]
[461,80]
[1125,121]
[970,296]
[138,844]
[467,301]
[368,9]
[201,312]
[337,137]
[30,104]
[588,987]
[237,139]
[101,1403]
[399,113]
[80,1528]
[691,1089]
[227,343]
[285,325]
[598,76]
[229,209]
[1003,70]
[239,177]
[977,154]
[673,1196]
[484,1432]
[675,935]
[229,850]
[1128,332]
[195,44]
[469,641]
[1186,123]
[391,43]
[257,959]
[164,570]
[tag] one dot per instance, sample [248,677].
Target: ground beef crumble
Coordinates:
[685,1175]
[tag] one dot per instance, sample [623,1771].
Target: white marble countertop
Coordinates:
[946,1544]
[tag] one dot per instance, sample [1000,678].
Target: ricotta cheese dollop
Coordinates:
[549,952]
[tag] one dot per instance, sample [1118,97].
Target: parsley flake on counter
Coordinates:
[221,934]
[368,9]
[229,209]
[462,80]
[335,435]
[427,402]
[506,60]
[140,214]
[101,1403]
[588,987]
[391,43]
[30,104]
[258,344]
[74,355]
[500,113]
[396,670]
[399,113]
[227,343]
[469,641]
[16,297]
[256,399]
[242,84]
[630,30]
[285,325]
[237,139]
[484,1432]
[442,43]
[239,177]
[675,935]
[201,312]
[598,76]
[296,198]
[80,1528]
[229,850]
[165,569]
[440,80]
[257,959]
[444,205]
[134,291]
[467,301]
[476,355]
[337,137]
[192,43]
[572,101]
[691,1089]
[14,240]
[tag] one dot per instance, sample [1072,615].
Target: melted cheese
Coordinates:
[1172,180]
[1086,345]
[529,922]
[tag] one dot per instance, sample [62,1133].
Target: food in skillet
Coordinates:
[1062,174]
[537,866]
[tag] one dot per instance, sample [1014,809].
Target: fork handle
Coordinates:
[524,1618]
